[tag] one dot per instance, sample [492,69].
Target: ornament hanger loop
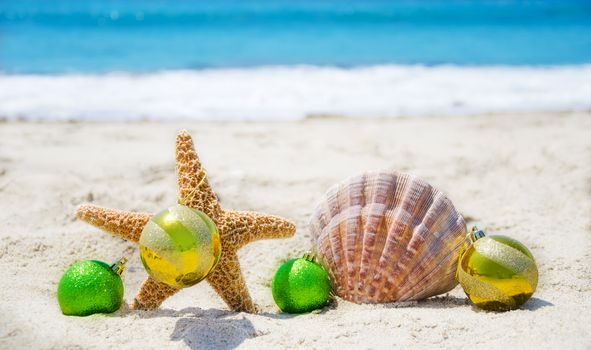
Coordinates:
[185,200]
[475,234]
[309,256]
[119,266]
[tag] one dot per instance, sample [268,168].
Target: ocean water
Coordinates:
[275,59]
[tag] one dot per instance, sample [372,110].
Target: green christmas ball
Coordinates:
[301,285]
[90,286]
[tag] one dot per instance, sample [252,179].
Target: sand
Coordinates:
[526,176]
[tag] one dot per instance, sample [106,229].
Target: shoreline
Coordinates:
[292,93]
[308,118]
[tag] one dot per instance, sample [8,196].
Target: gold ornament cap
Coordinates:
[119,266]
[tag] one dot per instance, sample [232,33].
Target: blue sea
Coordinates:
[276,59]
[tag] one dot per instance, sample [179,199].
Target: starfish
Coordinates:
[236,228]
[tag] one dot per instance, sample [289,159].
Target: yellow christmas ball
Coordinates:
[497,273]
[180,246]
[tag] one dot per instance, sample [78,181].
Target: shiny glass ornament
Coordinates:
[497,273]
[301,285]
[180,246]
[90,287]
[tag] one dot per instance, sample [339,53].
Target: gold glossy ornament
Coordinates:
[497,273]
[180,246]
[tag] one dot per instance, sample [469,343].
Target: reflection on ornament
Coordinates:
[89,287]
[301,285]
[180,246]
[497,273]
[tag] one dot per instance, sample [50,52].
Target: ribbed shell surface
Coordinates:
[388,236]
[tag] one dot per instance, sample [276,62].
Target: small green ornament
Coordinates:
[90,286]
[497,273]
[301,285]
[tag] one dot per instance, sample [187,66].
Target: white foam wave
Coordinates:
[279,93]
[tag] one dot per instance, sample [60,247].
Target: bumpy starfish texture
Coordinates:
[236,229]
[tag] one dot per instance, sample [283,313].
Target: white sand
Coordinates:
[527,176]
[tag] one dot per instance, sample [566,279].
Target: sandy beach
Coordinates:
[527,176]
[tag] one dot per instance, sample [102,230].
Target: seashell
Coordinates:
[387,236]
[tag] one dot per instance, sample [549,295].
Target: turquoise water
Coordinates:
[97,36]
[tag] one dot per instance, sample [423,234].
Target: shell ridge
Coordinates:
[351,220]
[331,207]
[356,247]
[374,241]
[449,257]
[413,197]
[457,231]
[342,222]
[381,278]
[426,253]
[388,210]
[416,245]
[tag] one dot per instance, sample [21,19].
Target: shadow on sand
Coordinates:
[440,302]
[210,329]
[450,302]
[534,304]
[212,332]
[220,329]
[203,328]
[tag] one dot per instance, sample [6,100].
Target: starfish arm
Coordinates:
[252,226]
[226,279]
[152,293]
[192,180]
[127,225]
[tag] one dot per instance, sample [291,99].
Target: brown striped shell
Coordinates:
[387,236]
